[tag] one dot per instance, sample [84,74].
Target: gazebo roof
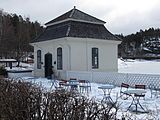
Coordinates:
[76,23]
[75,15]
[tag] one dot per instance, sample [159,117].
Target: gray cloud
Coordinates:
[41,10]
[126,17]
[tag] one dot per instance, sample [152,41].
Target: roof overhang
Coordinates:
[71,19]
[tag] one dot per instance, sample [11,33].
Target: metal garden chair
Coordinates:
[124,87]
[84,85]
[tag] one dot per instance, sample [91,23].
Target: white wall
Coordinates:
[107,55]
[77,54]
[19,75]
[51,47]
[81,55]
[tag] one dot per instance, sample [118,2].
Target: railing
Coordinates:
[116,78]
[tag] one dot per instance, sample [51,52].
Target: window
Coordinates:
[59,58]
[95,62]
[38,59]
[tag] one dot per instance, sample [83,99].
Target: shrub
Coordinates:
[3,71]
[19,100]
[26,101]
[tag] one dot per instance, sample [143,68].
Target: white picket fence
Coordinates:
[116,78]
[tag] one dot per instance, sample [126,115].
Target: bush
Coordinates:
[19,100]
[23,101]
[3,71]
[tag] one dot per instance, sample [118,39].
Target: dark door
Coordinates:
[48,65]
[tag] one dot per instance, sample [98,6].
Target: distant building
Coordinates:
[8,62]
[75,41]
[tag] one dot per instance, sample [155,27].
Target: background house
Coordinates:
[75,41]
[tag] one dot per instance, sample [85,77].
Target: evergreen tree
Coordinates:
[142,44]
[16,33]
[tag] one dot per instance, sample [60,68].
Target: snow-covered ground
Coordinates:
[139,66]
[150,104]
[23,67]
[130,66]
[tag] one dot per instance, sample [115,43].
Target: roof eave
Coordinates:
[71,19]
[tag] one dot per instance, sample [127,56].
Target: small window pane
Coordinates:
[95,62]
[59,58]
[38,59]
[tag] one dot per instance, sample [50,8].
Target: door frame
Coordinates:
[48,64]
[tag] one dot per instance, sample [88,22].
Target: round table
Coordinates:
[106,92]
[135,99]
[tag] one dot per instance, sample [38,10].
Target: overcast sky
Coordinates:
[122,16]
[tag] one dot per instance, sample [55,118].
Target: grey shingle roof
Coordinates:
[53,32]
[83,26]
[76,29]
[76,15]
[85,30]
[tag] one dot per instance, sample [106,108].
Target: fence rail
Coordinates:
[116,78]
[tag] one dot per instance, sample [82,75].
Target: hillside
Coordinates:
[16,32]
[144,44]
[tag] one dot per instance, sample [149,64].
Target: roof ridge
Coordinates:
[68,30]
[75,14]
[73,10]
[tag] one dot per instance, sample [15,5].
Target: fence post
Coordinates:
[127,78]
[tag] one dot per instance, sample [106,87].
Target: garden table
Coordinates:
[106,92]
[73,84]
[135,99]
